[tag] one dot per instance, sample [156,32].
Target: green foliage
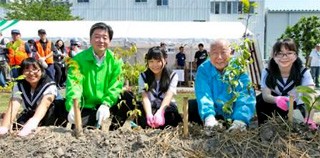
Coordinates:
[310,98]
[247,5]
[305,32]
[131,74]
[237,66]
[39,10]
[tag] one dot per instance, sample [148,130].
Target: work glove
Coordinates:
[43,62]
[282,102]
[311,123]
[102,114]
[150,121]
[237,125]
[71,116]
[3,130]
[159,118]
[210,121]
[31,125]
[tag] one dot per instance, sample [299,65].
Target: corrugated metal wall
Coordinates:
[176,10]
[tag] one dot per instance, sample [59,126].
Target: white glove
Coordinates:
[71,116]
[210,121]
[238,125]
[103,113]
[43,62]
[3,130]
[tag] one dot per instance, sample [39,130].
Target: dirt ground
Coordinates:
[274,139]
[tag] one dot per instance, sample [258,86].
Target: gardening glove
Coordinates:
[102,114]
[71,116]
[311,123]
[237,125]
[297,116]
[282,102]
[3,130]
[159,118]
[150,121]
[31,125]
[210,121]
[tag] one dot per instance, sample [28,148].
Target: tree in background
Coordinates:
[306,34]
[39,10]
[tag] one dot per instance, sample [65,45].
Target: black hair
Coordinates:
[31,41]
[103,26]
[273,68]
[62,48]
[200,45]
[31,62]
[157,54]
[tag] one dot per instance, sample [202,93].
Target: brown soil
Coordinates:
[274,139]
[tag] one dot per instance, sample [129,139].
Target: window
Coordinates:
[162,2]
[228,7]
[141,0]
[217,8]
[234,8]
[80,1]
[223,7]
[240,8]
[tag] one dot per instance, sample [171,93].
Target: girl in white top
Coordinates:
[285,71]
[158,86]
[35,93]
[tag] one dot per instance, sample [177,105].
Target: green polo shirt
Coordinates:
[95,84]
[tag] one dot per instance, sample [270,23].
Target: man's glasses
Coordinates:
[289,54]
[31,72]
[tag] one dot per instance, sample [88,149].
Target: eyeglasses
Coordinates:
[31,71]
[289,54]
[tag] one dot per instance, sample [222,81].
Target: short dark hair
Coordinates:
[200,44]
[33,62]
[103,26]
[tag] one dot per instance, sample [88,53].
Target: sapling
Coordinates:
[310,98]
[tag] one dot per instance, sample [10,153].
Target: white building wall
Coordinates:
[277,22]
[256,21]
[124,10]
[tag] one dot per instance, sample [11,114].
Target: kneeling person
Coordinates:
[210,90]
[36,93]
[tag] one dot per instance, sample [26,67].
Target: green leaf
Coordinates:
[306,100]
[305,89]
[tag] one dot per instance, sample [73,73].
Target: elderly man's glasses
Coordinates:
[287,54]
[28,72]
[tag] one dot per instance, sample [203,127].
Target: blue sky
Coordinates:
[293,4]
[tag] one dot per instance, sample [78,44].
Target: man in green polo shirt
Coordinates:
[97,81]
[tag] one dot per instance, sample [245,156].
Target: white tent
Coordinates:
[143,33]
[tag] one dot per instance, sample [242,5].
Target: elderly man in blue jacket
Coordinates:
[210,90]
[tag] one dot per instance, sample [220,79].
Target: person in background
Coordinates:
[201,55]
[74,48]
[18,50]
[158,105]
[314,57]
[97,81]
[180,58]
[38,92]
[4,66]
[59,63]
[284,73]
[45,49]
[163,46]
[33,49]
[211,92]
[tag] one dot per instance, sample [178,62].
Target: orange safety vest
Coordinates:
[17,52]
[43,53]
